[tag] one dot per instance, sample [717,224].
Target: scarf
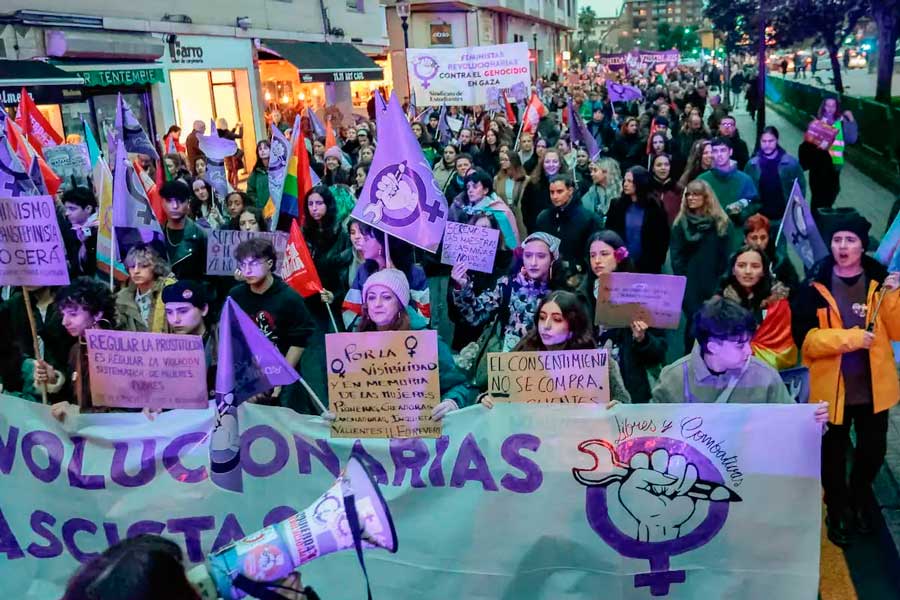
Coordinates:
[696,226]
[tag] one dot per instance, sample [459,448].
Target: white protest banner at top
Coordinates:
[476,75]
[32,251]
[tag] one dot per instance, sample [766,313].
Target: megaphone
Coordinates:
[351,514]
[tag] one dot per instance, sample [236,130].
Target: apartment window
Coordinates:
[357,5]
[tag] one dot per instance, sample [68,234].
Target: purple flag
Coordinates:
[279,149]
[443,130]
[216,149]
[314,122]
[133,219]
[14,179]
[37,178]
[135,137]
[379,102]
[801,231]
[619,92]
[579,134]
[401,196]
[248,364]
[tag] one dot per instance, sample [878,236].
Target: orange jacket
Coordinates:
[824,345]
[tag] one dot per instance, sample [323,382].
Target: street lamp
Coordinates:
[534,30]
[402,7]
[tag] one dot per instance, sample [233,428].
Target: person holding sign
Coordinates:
[825,161]
[637,349]
[277,309]
[186,309]
[386,296]
[138,305]
[845,317]
[641,221]
[750,283]
[513,300]
[84,304]
[561,323]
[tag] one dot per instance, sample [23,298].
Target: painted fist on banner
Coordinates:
[655,494]
[393,192]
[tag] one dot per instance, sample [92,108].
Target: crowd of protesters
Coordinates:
[674,189]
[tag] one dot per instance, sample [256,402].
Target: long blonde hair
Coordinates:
[711,206]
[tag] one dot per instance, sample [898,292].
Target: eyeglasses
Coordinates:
[247,265]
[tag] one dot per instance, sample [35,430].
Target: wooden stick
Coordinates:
[34,338]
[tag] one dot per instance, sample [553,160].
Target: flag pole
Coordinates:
[331,316]
[784,216]
[387,252]
[34,338]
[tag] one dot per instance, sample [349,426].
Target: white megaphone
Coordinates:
[351,514]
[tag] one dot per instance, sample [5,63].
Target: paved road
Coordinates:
[863,571]
[857,82]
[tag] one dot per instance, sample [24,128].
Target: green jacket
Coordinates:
[258,187]
[454,384]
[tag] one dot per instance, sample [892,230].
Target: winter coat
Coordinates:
[454,383]
[788,170]
[573,225]
[535,199]
[258,187]
[597,200]
[419,295]
[443,173]
[654,232]
[332,254]
[514,199]
[630,151]
[701,260]
[128,315]
[57,341]
[818,329]
[668,194]
[188,259]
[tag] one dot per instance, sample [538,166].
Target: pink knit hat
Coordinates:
[334,152]
[392,279]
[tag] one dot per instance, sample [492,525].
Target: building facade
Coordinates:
[546,26]
[239,60]
[639,20]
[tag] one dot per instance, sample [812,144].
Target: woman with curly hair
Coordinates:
[85,304]
[750,283]
[700,244]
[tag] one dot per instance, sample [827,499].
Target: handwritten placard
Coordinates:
[69,160]
[383,384]
[31,247]
[146,370]
[626,297]
[470,245]
[221,244]
[560,377]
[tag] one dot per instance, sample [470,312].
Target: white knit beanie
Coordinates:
[392,279]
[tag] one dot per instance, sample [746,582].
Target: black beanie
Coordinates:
[845,219]
[185,290]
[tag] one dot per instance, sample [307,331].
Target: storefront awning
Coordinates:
[45,83]
[324,61]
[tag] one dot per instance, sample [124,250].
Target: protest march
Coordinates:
[510,336]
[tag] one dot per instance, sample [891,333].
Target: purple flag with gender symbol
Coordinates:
[401,196]
[800,230]
[579,134]
[133,219]
[133,133]
[620,92]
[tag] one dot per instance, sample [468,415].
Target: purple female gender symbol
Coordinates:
[660,578]
[430,66]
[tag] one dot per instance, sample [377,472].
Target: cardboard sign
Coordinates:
[383,384]
[818,132]
[562,377]
[69,160]
[32,251]
[221,244]
[146,370]
[471,245]
[626,297]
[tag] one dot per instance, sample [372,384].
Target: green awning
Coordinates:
[34,72]
[324,61]
[118,77]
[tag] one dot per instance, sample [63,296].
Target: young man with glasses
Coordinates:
[274,306]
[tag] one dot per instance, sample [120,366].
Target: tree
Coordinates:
[587,26]
[886,13]
[684,39]
[822,21]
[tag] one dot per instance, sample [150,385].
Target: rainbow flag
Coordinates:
[773,342]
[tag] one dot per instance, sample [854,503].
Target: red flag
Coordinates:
[38,130]
[27,154]
[329,135]
[533,113]
[653,129]
[152,191]
[297,267]
[510,115]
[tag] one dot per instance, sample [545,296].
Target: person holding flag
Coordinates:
[844,318]
[278,311]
